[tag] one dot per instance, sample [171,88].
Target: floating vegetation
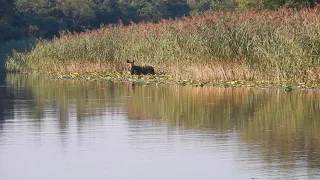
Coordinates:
[227,49]
[165,79]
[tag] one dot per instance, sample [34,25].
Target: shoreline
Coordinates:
[167,80]
[269,49]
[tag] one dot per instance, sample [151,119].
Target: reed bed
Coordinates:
[279,45]
[6,50]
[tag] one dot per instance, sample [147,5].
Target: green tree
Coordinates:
[39,7]
[224,5]
[274,4]
[153,10]
[106,11]
[200,5]
[7,30]
[212,5]
[300,3]
[173,8]
[77,13]
[41,17]
[6,8]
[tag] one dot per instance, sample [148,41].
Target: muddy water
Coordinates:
[53,129]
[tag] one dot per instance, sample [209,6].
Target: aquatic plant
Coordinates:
[268,45]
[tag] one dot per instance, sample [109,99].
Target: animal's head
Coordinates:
[130,65]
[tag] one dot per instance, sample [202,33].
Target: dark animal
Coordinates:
[138,70]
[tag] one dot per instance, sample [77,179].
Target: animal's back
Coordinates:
[148,70]
[136,70]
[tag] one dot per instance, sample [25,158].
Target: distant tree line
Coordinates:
[45,18]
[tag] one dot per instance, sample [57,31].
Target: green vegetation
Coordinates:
[11,48]
[273,46]
[240,43]
[21,19]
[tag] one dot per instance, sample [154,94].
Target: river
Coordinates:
[66,129]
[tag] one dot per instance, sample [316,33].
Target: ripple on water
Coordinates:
[92,130]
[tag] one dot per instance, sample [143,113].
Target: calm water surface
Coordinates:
[53,129]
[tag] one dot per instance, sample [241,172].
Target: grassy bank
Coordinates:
[252,46]
[13,47]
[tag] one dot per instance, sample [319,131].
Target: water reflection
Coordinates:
[269,130]
[6,107]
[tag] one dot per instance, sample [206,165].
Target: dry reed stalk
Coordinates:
[272,45]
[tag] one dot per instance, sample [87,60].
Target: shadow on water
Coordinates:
[6,101]
[283,127]
[2,79]
[2,69]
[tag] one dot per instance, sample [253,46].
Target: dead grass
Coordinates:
[268,45]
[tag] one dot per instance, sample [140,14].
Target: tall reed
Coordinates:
[11,49]
[268,45]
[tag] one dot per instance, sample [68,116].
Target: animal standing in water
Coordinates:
[138,70]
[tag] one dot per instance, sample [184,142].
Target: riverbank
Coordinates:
[273,47]
[9,48]
[167,80]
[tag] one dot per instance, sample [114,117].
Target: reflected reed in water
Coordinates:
[283,127]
